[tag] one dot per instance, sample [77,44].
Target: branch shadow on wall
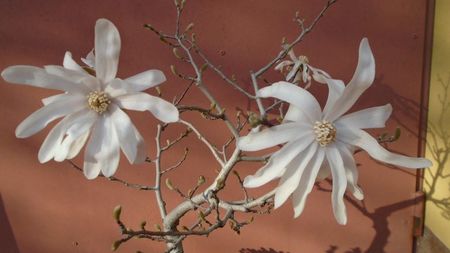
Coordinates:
[261,250]
[439,145]
[8,242]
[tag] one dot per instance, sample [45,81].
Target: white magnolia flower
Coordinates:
[298,69]
[92,106]
[322,140]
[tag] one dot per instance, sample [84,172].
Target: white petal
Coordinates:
[339,183]
[294,171]
[102,151]
[277,163]
[38,77]
[56,134]
[292,55]
[307,182]
[107,50]
[54,98]
[273,136]
[42,117]
[335,89]
[324,171]
[294,114]
[69,63]
[81,78]
[76,146]
[145,80]
[280,66]
[319,75]
[374,117]
[140,101]
[294,95]
[362,79]
[131,141]
[117,87]
[78,129]
[351,171]
[90,59]
[362,139]
[294,70]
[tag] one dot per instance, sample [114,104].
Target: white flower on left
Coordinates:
[91,107]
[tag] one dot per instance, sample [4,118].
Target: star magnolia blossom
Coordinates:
[298,69]
[92,106]
[322,141]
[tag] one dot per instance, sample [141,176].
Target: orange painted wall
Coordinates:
[50,208]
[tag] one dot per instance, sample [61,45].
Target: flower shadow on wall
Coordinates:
[380,215]
[438,142]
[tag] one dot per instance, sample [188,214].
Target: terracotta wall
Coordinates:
[51,207]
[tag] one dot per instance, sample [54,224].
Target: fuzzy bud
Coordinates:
[176,52]
[174,70]
[143,223]
[116,213]
[169,184]
[189,27]
[115,245]
[201,180]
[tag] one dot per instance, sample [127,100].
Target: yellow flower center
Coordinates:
[98,101]
[303,58]
[325,132]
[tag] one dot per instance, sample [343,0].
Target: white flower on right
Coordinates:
[298,69]
[322,140]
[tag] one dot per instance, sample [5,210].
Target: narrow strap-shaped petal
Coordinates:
[102,150]
[277,163]
[107,50]
[78,129]
[362,79]
[69,63]
[90,59]
[351,171]
[294,70]
[335,90]
[131,141]
[294,171]
[319,75]
[54,98]
[38,77]
[339,183]
[140,101]
[56,134]
[42,117]
[280,66]
[374,117]
[81,78]
[307,182]
[117,87]
[362,139]
[294,95]
[273,136]
[146,79]
[77,145]
[294,114]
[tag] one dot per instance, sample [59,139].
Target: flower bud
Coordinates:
[115,245]
[201,180]
[116,213]
[169,184]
